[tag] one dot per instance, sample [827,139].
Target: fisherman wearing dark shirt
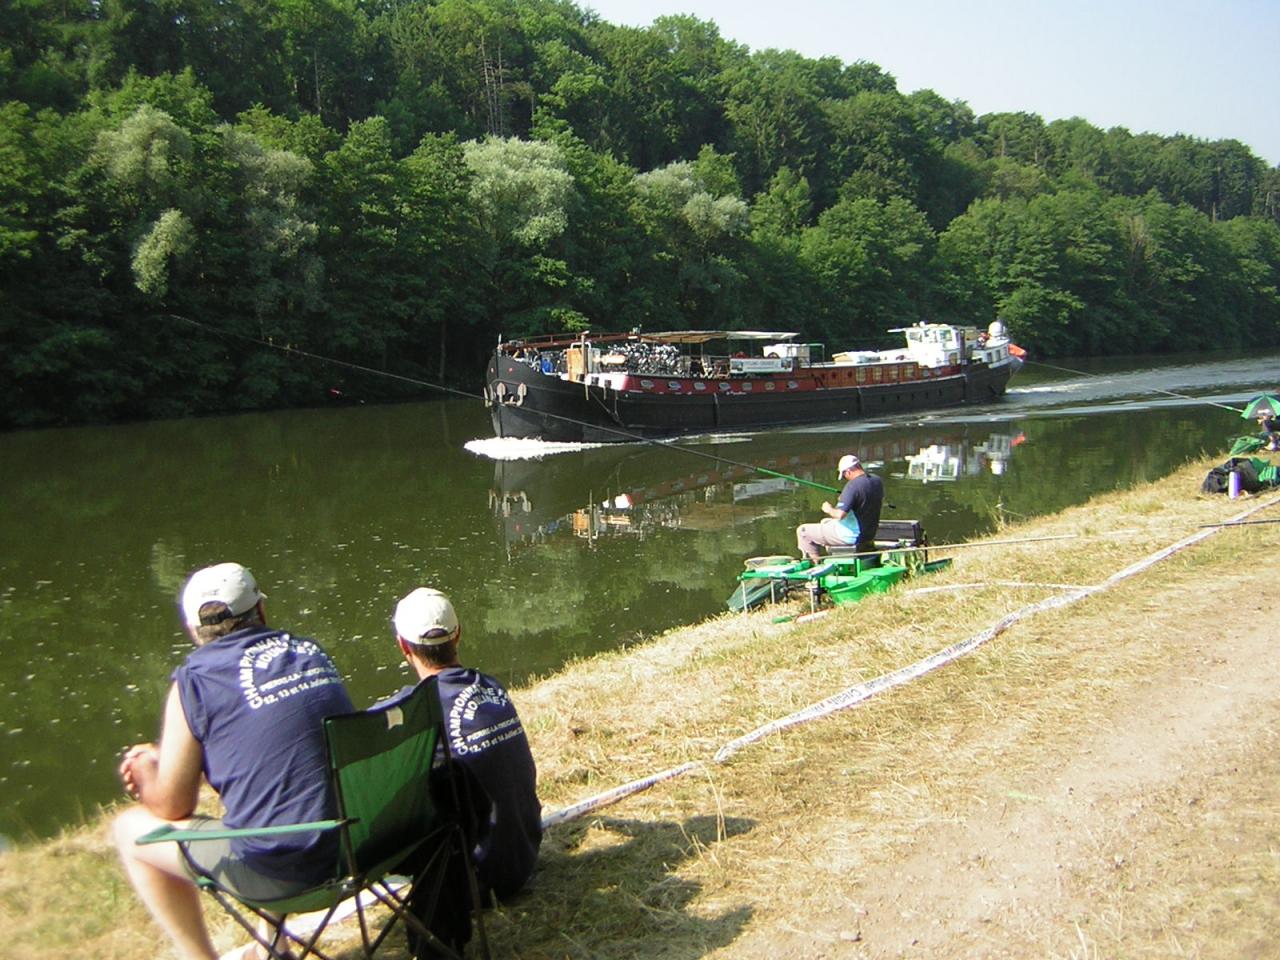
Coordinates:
[487,742]
[853,520]
[245,711]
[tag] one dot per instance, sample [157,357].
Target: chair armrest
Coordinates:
[172,833]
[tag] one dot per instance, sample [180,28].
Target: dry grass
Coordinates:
[779,850]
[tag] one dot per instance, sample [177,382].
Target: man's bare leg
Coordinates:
[163,884]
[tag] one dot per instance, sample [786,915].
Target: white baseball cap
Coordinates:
[847,462]
[426,617]
[227,583]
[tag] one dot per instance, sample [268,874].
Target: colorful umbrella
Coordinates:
[1265,403]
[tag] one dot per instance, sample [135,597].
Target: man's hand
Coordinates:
[138,765]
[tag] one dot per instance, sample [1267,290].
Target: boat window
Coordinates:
[673,384]
[877,374]
[792,385]
[724,387]
[647,384]
[747,387]
[770,385]
[862,375]
[699,385]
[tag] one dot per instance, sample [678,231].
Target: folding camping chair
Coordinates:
[381,764]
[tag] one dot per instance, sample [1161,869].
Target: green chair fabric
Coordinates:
[381,762]
[1243,445]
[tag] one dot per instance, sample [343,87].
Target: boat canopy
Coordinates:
[702,336]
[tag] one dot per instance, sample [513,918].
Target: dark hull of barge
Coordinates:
[527,404]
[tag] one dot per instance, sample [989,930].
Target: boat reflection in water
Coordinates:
[949,462]
[637,491]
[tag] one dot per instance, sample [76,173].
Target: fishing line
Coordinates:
[1169,393]
[294,351]
[416,381]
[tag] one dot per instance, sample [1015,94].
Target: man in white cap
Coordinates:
[488,744]
[245,711]
[853,520]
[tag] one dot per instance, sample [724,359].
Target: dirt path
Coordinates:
[1156,833]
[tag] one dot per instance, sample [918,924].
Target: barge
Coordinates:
[601,388]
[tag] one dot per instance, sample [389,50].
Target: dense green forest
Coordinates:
[396,183]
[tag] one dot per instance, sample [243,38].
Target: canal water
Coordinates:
[547,557]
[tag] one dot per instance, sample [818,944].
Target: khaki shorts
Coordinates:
[216,859]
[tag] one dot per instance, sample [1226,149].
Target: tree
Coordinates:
[520,192]
[1255,296]
[333,60]
[773,103]
[359,242]
[21,186]
[878,146]
[779,289]
[1020,137]
[279,270]
[604,244]
[695,234]
[871,262]
[441,242]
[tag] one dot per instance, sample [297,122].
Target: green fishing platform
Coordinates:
[843,576]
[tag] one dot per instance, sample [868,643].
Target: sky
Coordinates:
[1208,69]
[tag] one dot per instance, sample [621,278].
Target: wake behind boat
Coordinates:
[594,388]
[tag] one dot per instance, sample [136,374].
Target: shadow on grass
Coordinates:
[611,888]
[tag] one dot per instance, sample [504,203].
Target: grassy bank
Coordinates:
[780,850]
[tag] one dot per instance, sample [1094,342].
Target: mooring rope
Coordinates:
[862,691]
[621,433]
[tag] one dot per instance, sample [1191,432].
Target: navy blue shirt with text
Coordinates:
[487,739]
[255,700]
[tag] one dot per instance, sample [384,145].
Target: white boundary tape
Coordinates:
[613,796]
[863,691]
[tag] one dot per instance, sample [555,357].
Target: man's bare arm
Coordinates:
[166,777]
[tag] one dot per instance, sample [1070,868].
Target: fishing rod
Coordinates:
[454,391]
[1018,540]
[955,546]
[1169,393]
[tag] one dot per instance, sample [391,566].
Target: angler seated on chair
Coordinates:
[246,710]
[853,519]
[501,814]
[1267,431]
